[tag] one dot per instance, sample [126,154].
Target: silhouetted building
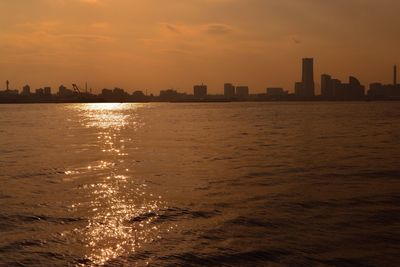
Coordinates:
[26,90]
[348,91]
[307,87]
[8,92]
[273,92]
[118,92]
[106,92]
[378,90]
[168,94]
[229,90]
[242,91]
[64,91]
[298,86]
[385,91]
[200,91]
[172,95]
[334,89]
[47,91]
[138,94]
[336,83]
[327,86]
[39,92]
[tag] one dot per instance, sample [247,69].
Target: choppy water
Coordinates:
[252,184]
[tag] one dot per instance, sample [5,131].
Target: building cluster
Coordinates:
[331,89]
[384,91]
[26,92]
[238,92]
[335,89]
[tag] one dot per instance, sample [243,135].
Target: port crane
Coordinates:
[78,90]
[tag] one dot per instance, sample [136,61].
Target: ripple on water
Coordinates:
[235,184]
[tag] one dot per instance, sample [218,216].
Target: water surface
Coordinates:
[232,184]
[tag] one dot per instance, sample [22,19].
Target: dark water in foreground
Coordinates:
[254,184]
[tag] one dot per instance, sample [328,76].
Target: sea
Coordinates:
[200,184]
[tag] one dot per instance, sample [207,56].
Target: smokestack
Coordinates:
[395,75]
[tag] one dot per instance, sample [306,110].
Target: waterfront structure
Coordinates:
[26,90]
[242,91]
[172,95]
[275,91]
[200,91]
[385,91]
[106,92]
[119,92]
[168,94]
[116,94]
[331,89]
[138,94]
[298,88]
[229,90]
[327,86]
[334,89]
[306,89]
[39,91]
[47,91]
[8,92]
[64,91]
[350,91]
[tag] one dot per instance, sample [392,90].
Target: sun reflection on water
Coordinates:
[120,209]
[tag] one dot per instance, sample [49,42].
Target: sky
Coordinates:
[160,44]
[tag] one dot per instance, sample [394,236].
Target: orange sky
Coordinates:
[158,44]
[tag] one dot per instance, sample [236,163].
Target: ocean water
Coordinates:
[231,184]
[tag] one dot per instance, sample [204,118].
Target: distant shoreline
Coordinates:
[2,102]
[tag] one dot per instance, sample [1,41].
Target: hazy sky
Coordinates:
[158,44]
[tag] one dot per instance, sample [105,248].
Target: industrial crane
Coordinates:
[79,91]
[76,89]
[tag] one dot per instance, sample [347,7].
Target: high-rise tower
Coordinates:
[395,75]
[308,77]
[306,88]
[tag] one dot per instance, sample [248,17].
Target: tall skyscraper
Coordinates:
[308,77]
[229,90]
[200,91]
[395,75]
[306,88]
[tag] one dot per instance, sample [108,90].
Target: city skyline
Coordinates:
[313,86]
[332,89]
[258,43]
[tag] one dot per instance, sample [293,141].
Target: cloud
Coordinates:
[91,1]
[218,29]
[199,30]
